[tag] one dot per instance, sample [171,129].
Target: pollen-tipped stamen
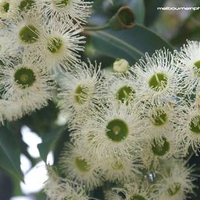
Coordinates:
[195,124]
[160,148]
[62,3]
[26,4]
[82,164]
[29,34]
[54,45]
[174,188]
[81,94]
[125,93]
[158,82]
[159,118]
[197,67]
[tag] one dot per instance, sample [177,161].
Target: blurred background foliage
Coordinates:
[154,29]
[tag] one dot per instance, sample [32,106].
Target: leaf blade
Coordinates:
[9,153]
[131,44]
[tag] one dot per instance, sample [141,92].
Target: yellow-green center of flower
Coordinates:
[196,68]
[29,34]
[137,197]
[24,77]
[62,3]
[81,94]
[195,124]
[82,165]
[118,166]
[54,45]
[174,188]
[160,148]
[159,118]
[158,82]
[26,4]
[6,7]
[125,93]
[117,130]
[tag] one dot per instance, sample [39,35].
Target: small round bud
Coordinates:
[121,66]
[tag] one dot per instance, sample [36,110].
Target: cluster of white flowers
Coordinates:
[38,38]
[133,129]
[130,130]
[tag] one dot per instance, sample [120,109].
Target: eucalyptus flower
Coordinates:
[66,10]
[80,168]
[158,77]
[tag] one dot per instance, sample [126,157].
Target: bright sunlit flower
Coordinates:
[62,44]
[114,131]
[27,31]
[158,77]
[24,81]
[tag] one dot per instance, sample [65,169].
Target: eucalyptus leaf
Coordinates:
[48,141]
[9,153]
[130,44]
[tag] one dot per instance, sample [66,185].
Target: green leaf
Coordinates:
[9,153]
[48,141]
[129,44]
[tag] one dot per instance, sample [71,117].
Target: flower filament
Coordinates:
[125,93]
[174,188]
[26,4]
[54,45]
[81,94]
[159,118]
[62,3]
[29,34]
[158,82]
[195,124]
[82,165]
[160,148]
